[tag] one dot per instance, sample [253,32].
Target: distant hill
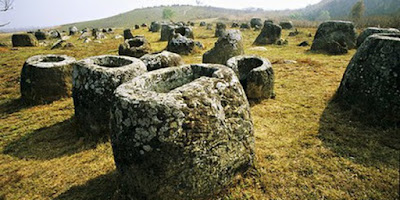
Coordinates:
[182,13]
[341,8]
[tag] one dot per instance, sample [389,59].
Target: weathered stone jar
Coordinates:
[255,74]
[227,46]
[371,82]
[94,81]
[161,60]
[24,40]
[181,132]
[46,78]
[373,30]
[136,47]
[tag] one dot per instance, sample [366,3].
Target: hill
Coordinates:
[181,13]
[341,8]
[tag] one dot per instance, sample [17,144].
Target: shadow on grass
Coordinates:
[52,142]
[13,106]
[351,137]
[102,187]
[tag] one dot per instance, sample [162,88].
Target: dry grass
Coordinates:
[307,148]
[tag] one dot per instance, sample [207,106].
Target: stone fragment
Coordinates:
[270,34]
[161,60]
[136,47]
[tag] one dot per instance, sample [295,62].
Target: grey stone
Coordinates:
[55,34]
[220,30]
[270,34]
[136,47]
[255,74]
[181,45]
[155,27]
[256,22]
[235,25]
[227,46]
[303,44]
[94,82]
[371,82]
[46,78]
[341,34]
[202,23]
[24,40]
[85,35]
[127,34]
[286,25]
[168,32]
[294,33]
[373,30]
[137,27]
[40,35]
[144,25]
[245,26]
[73,30]
[57,44]
[181,132]
[161,60]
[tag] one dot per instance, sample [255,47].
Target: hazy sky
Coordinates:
[35,13]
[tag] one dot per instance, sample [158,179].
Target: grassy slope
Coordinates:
[307,148]
[182,13]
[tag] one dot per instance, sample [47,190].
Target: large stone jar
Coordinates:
[181,132]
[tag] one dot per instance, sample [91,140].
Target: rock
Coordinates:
[294,33]
[94,82]
[69,45]
[65,37]
[118,37]
[24,40]
[84,36]
[137,27]
[209,27]
[235,25]
[46,78]
[85,30]
[168,31]
[185,31]
[73,30]
[161,60]
[191,24]
[100,36]
[270,34]
[199,44]
[110,30]
[257,28]
[373,30]
[286,25]
[220,30]
[135,47]
[40,35]
[268,21]
[181,45]
[55,34]
[57,44]
[256,22]
[282,42]
[289,62]
[245,26]
[181,132]
[144,25]
[127,34]
[155,27]
[255,74]
[340,34]
[202,23]
[370,83]
[87,40]
[309,35]
[303,44]
[227,46]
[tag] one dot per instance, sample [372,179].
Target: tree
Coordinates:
[323,16]
[358,10]
[5,5]
[168,13]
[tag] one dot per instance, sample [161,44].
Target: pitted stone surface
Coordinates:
[270,34]
[24,40]
[227,46]
[46,78]
[374,30]
[181,132]
[220,29]
[181,45]
[94,82]
[136,47]
[161,60]
[371,82]
[335,37]
[255,74]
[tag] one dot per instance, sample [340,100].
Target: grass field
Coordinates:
[306,146]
